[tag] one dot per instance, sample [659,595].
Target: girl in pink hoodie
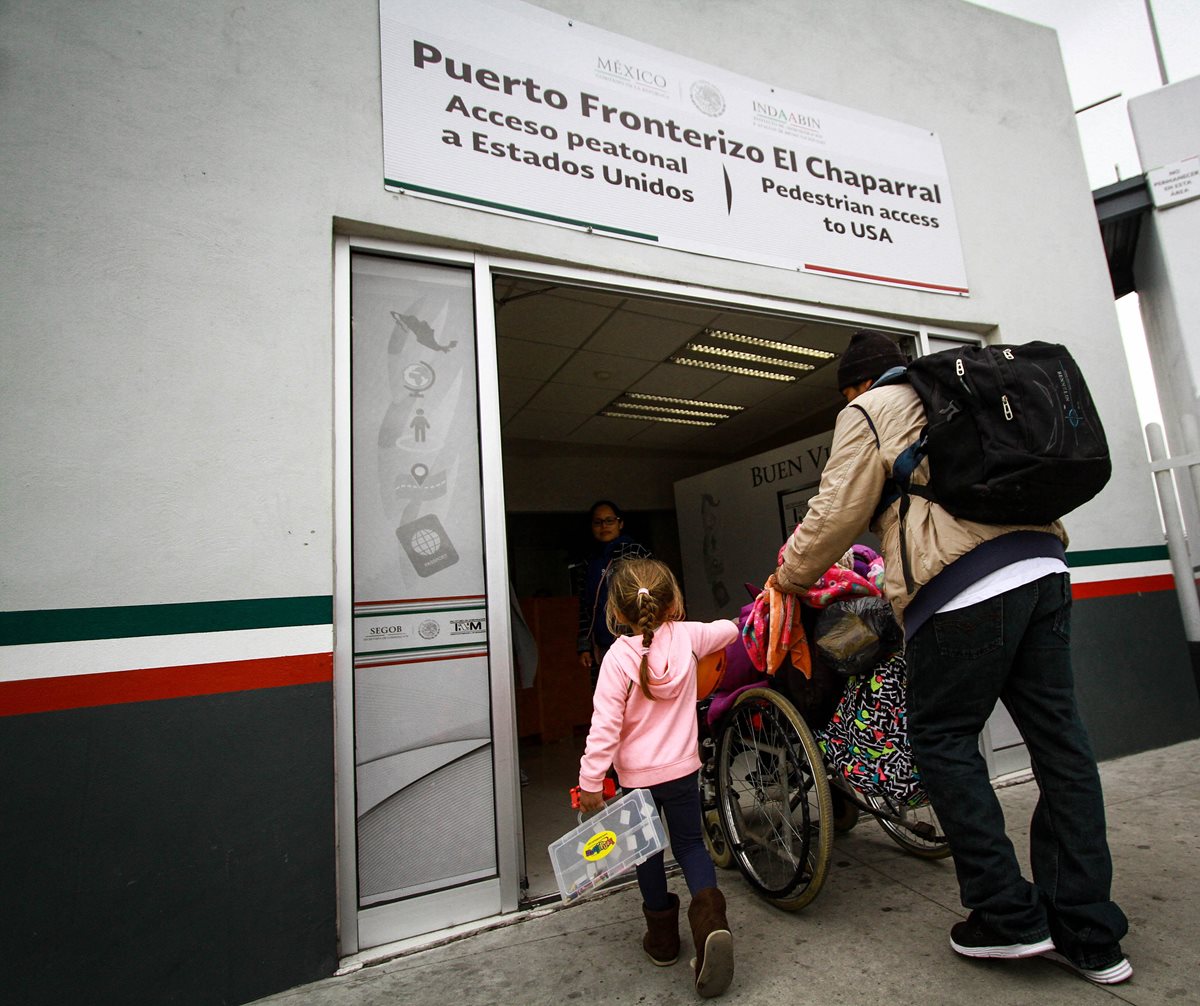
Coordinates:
[644,725]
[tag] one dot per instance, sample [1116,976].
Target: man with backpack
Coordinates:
[986,611]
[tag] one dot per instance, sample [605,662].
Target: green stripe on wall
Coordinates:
[519,209]
[59,625]
[1114,556]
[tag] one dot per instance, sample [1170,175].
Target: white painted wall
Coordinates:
[173,176]
[1166,126]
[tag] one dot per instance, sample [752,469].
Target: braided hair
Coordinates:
[642,595]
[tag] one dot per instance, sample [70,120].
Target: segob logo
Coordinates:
[429,629]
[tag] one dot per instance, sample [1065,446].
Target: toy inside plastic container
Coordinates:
[623,834]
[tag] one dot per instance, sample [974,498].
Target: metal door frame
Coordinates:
[501,894]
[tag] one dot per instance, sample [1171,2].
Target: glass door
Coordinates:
[417,754]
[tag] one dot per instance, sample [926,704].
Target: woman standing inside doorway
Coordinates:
[612,545]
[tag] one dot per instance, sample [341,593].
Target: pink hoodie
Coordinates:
[650,742]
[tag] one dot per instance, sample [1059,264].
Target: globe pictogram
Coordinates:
[418,378]
[426,542]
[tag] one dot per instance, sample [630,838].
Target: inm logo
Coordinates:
[461,625]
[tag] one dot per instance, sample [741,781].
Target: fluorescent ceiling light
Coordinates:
[729,368]
[737,354]
[684,401]
[778,347]
[665,410]
[657,419]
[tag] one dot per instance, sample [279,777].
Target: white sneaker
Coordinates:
[1121,971]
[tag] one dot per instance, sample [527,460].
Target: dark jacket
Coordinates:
[593,598]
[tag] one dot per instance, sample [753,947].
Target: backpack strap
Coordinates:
[900,487]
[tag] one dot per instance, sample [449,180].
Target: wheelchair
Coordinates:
[771,806]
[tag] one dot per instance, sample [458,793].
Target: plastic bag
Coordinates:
[853,635]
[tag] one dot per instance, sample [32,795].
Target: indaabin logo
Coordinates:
[708,98]
[466,626]
[786,119]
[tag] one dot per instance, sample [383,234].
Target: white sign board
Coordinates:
[511,108]
[1175,183]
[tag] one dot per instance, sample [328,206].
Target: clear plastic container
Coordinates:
[628,831]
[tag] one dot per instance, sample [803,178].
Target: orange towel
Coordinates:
[786,638]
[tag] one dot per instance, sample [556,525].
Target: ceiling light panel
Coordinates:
[778,347]
[729,368]
[668,409]
[737,354]
[616,414]
[723,407]
[767,359]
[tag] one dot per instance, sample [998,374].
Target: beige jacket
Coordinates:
[852,486]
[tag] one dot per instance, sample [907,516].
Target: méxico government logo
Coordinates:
[707,98]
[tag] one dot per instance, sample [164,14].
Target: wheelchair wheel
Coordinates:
[773,799]
[915,829]
[715,841]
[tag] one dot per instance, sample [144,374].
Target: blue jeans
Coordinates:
[678,802]
[1016,648]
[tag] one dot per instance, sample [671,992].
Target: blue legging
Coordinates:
[679,804]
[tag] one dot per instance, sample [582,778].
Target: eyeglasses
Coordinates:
[605,521]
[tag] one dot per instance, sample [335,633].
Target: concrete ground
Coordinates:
[876,934]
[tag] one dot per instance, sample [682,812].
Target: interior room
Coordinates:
[609,394]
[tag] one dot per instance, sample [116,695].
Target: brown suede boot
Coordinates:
[661,941]
[713,962]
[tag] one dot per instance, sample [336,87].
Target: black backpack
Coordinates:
[1011,433]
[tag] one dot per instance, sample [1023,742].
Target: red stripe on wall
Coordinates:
[416,660]
[150,684]
[422,600]
[1133,585]
[885,279]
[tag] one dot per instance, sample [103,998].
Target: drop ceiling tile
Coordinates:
[534,424]
[555,396]
[605,430]
[683,382]
[531,360]
[747,391]
[624,339]
[551,319]
[516,391]
[641,336]
[602,369]
[696,315]
[760,326]
[670,435]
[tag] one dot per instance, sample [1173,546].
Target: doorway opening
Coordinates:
[616,394]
